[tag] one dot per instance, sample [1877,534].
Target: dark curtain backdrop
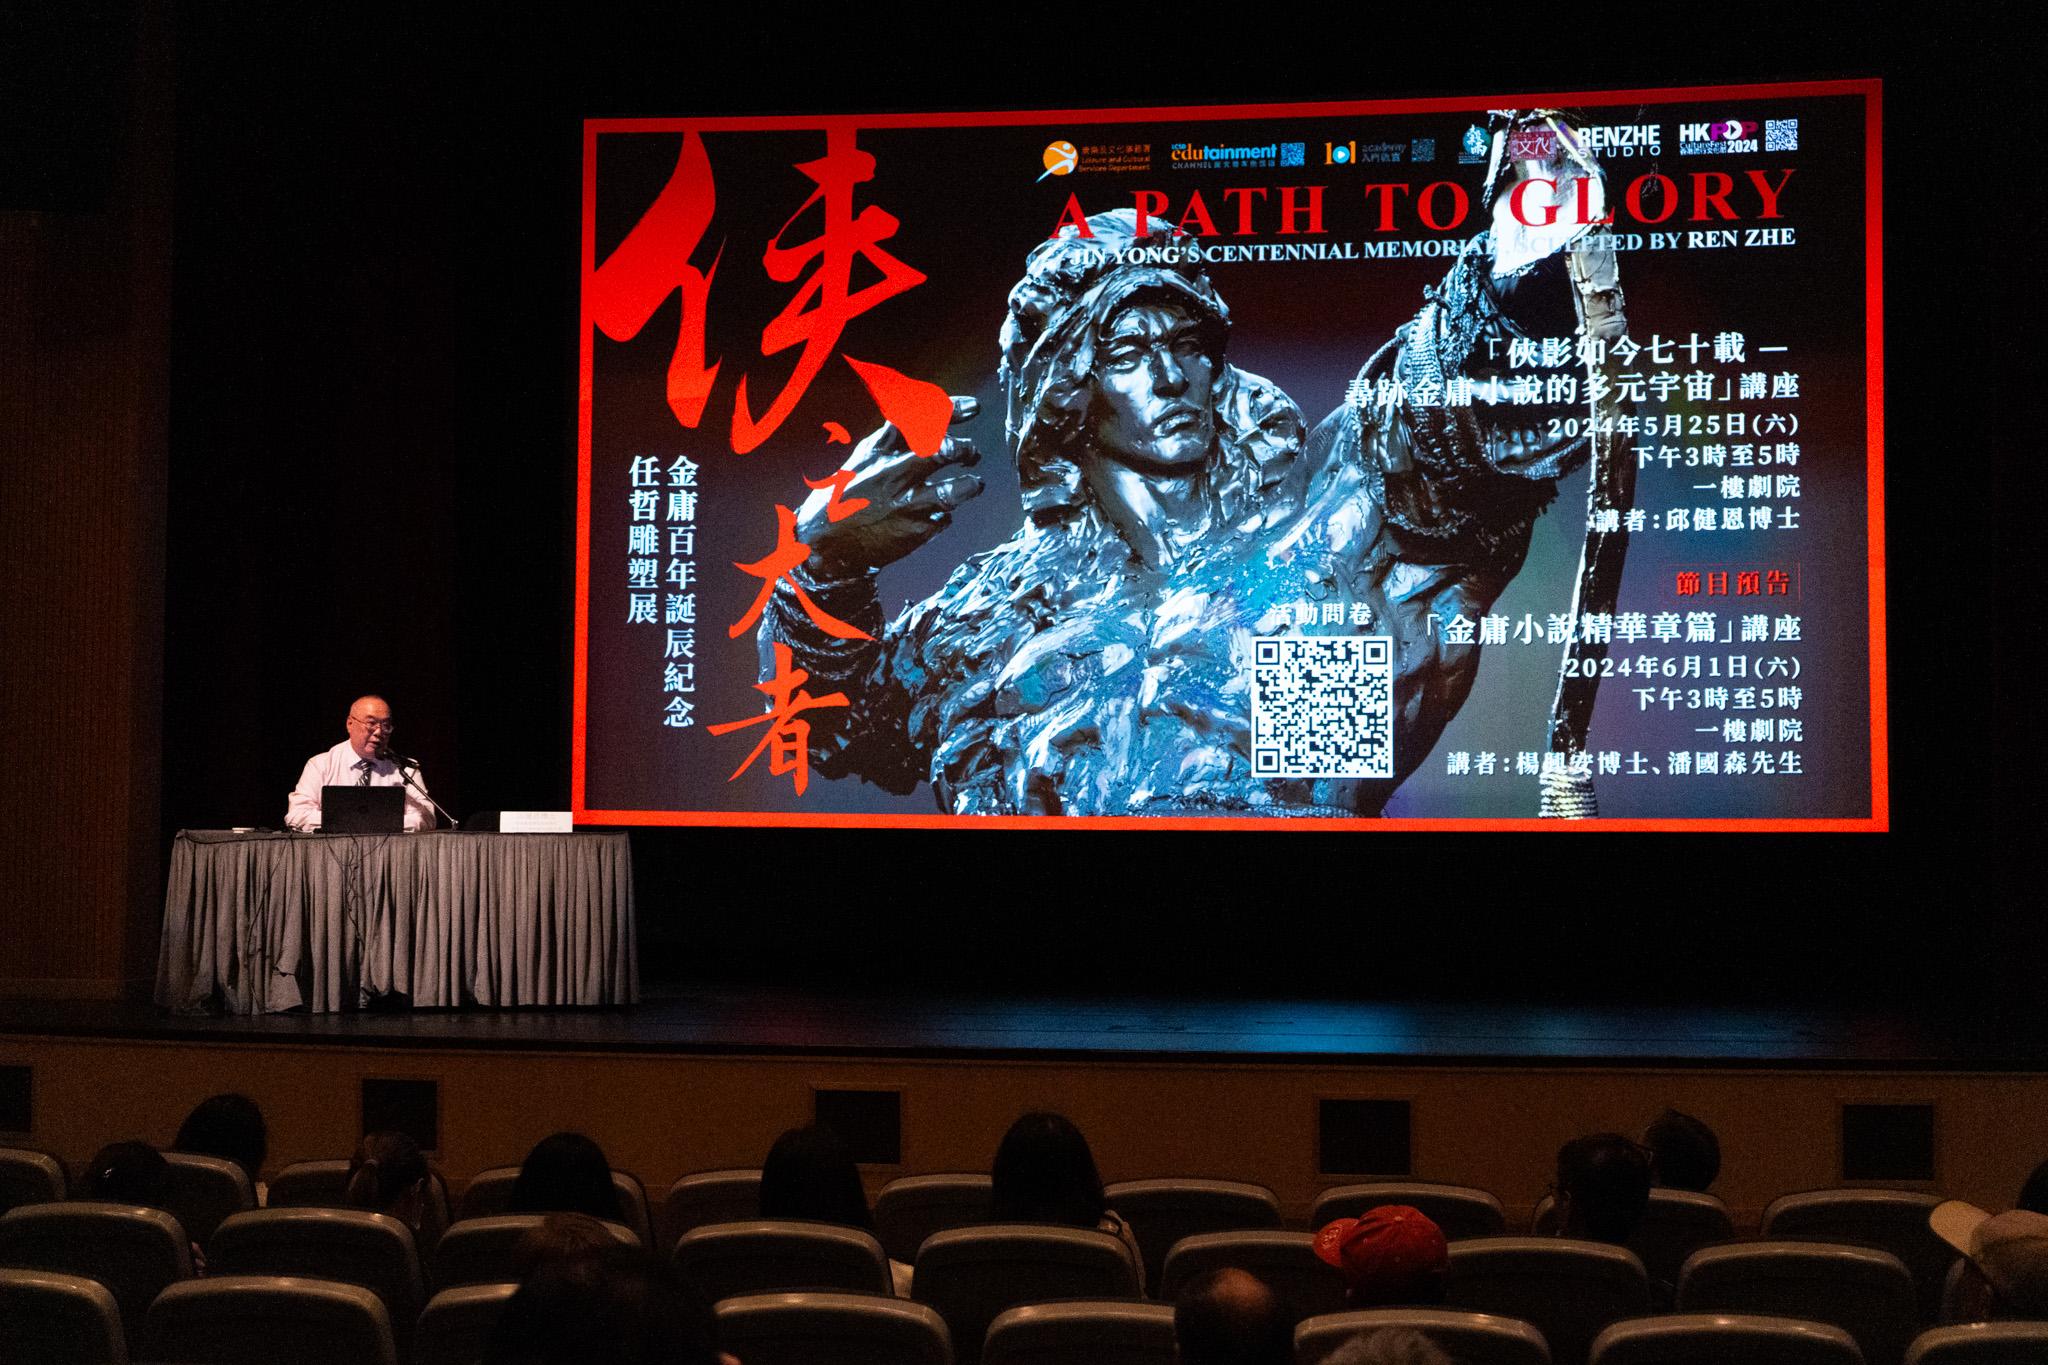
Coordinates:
[371,489]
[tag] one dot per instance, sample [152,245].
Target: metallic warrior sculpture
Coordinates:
[1176,508]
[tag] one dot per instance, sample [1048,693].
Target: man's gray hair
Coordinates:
[1388,1346]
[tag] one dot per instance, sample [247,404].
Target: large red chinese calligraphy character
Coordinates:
[818,312]
[653,262]
[787,739]
[787,554]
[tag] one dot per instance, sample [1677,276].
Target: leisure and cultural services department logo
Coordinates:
[1060,158]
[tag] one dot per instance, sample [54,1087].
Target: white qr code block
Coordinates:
[1323,707]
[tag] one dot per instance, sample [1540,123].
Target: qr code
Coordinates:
[1781,134]
[1293,153]
[1323,707]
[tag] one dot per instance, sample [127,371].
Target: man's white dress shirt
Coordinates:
[337,768]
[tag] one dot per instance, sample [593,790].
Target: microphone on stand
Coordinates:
[402,763]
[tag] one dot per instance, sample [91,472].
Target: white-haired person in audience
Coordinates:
[1388,1346]
[2007,1255]
[1232,1317]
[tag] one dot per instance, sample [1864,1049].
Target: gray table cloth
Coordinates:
[274,921]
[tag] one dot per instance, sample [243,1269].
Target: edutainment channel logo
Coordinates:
[1199,156]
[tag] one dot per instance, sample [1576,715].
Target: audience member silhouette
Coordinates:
[1684,1153]
[132,1173]
[387,1173]
[615,1306]
[810,1175]
[1603,1186]
[566,1173]
[1044,1173]
[127,1173]
[230,1127]
[1231,1317]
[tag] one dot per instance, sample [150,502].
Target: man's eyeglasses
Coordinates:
[387,725]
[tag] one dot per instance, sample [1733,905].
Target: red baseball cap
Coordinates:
[1388,1246]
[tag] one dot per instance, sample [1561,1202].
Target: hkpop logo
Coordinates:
[1721,135]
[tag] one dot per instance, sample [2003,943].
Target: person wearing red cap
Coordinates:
[1390,1255]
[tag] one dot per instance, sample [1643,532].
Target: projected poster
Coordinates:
[1453,463]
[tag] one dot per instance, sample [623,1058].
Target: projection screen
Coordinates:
[1489,463]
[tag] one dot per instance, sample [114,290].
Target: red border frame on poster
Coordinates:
[1870,90]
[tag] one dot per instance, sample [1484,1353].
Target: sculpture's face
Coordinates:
[1152,390]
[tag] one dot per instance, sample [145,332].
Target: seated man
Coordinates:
[362,760]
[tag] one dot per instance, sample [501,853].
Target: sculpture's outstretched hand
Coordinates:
[909,499]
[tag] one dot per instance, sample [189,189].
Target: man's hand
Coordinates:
[910,499]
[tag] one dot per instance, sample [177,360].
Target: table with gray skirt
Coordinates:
[259,923]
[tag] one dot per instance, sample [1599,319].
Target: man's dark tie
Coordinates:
[362,772]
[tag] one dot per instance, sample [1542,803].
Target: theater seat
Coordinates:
[264,1319]
[1080,1332]
[1890,1220]
[1284,1260]
[1161,1212]
[726,1260]
[1716,1338]
[730,1196]
[455,1326]
[1865,1292]
[53,1319]
[354,1246]
[1566,1289]
[1468,1338]
[310,1185]
[201,1191]
[1981,1343]
[479,1250]
[134,1252]
[1460,1210]
[845,1329]
[913,1207]
[973,1275]
[29,1178]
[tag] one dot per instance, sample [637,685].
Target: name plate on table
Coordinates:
[535,822]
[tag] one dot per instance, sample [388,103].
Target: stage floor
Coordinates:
[770,1021]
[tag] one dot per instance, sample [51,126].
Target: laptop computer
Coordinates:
[362,810]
